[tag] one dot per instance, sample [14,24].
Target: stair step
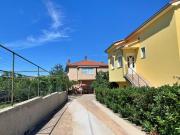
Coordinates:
[136,80]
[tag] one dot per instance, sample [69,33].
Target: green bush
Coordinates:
[155,109]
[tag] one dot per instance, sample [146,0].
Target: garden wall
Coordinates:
[21,117]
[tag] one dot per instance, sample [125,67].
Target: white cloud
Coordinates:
[55,32]
[46,36]
[55,14]
[31,41]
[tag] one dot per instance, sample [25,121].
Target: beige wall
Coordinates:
[102,70]
[76,75]
[82,76]
[162,61]
[73,74]
[23,116]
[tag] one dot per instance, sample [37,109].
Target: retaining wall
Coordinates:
[21,117]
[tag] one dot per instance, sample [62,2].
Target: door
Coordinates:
[131,64]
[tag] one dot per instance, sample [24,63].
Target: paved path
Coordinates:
[85,116]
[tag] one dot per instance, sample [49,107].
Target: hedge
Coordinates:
[157,110]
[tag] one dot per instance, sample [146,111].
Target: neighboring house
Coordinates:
[151,54]
[84,72]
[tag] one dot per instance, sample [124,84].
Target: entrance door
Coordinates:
[131,63]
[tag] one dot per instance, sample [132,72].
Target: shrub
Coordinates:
[155,109]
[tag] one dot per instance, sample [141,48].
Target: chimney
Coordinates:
[85,58]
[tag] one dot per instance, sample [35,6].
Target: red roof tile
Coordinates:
[87,63]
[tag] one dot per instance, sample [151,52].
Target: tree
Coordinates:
[59,79]
[102,80]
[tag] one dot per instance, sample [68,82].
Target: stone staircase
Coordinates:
[136,80]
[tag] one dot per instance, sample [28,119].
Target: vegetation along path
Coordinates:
[83,115]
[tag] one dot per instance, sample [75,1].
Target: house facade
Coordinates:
[149,56]
[84,72]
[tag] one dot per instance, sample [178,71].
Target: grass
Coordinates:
[4,105]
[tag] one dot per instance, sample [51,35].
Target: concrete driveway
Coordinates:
[83,115]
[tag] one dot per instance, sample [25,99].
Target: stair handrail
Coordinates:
[139,77]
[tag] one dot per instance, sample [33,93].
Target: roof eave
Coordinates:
[106,51]
[150,19]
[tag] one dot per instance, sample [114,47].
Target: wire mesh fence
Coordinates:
[21,79]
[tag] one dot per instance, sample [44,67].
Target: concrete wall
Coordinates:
[21,117]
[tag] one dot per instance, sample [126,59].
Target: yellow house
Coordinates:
[149,56]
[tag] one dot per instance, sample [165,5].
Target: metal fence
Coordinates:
[19,82]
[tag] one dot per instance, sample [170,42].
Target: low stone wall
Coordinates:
[21,117]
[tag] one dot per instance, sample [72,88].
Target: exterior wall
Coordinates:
[116,74]
[123,84]
[162,61]
[126,52]
[24,116]
[73,74]
[161,39]
[102,69]
[177,17]
[82,76]
[76,74]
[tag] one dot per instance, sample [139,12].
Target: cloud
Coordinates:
[32,41]
[46,36]
[55,14]
[55,32]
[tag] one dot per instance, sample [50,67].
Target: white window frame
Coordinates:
[120,64]
[143,53]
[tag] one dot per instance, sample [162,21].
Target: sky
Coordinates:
[50,32]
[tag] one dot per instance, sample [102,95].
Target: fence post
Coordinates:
[12,75]
[38,83]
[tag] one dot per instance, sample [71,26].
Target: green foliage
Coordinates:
[27,87]
[102,80]
[155,109]
[60,79]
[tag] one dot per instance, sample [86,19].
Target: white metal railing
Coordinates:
[132,76]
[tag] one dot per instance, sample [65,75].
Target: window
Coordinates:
[143,52]
[88,71]
[112,62]
[120,62]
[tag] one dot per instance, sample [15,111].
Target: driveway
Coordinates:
[83,115]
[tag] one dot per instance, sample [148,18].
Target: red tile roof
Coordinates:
[173,1]
[87,63]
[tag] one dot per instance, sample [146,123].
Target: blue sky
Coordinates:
[49,32]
